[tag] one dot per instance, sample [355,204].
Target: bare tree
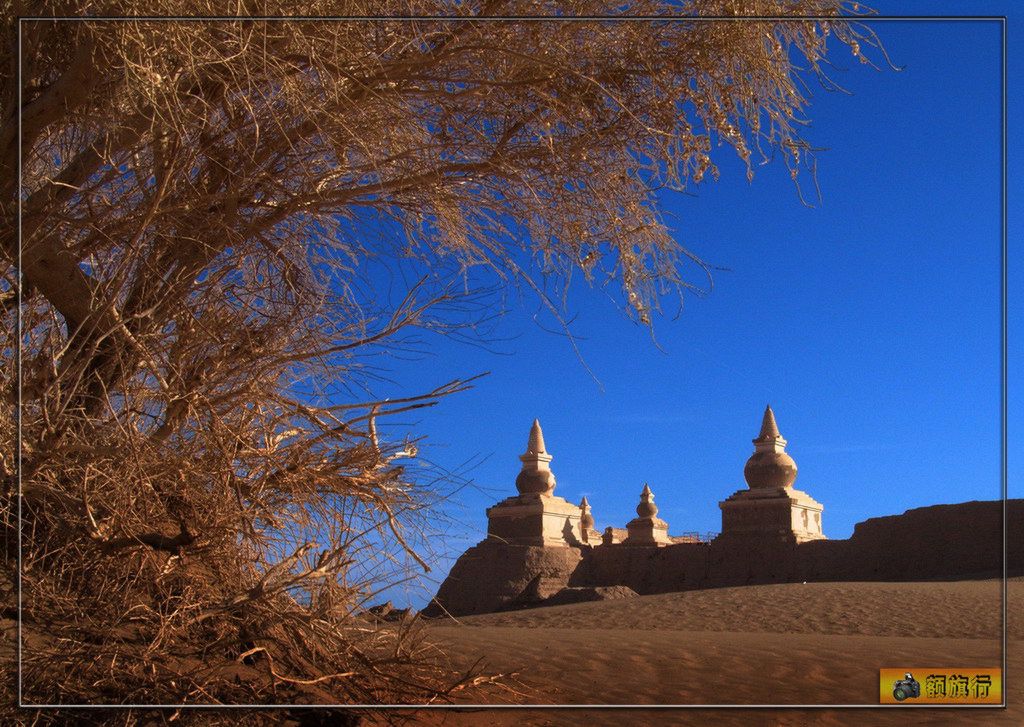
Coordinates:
[203,479]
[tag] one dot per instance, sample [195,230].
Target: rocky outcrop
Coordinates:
[493,575]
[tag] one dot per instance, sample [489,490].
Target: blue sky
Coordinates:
[870,322]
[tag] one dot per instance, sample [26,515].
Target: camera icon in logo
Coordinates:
[906,688]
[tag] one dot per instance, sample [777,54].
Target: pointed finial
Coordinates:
[769,437]
[535,445]
[584,504]
[769,429]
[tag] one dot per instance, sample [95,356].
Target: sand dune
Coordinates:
[819,643]
[869,609]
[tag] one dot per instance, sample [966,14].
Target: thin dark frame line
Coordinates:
[17,330]
[1003,295]
[847,19]
[482,707]
[532,18]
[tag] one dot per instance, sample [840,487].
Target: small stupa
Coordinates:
[590,535]
[535,516]
[647,528]
[771,508]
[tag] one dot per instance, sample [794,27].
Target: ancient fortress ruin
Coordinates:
[542,549]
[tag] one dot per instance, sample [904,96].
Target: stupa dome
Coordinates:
[769,466]
[646,508]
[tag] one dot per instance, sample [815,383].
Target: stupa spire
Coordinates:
[536,476]
[769,439]
[768,426]
[535,444]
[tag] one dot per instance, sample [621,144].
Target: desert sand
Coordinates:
[814,643]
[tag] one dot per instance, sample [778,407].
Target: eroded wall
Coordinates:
[938,542]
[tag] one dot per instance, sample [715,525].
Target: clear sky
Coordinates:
[870,322]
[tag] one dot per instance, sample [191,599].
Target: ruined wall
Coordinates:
[645,569]
[943,541]
[938,542]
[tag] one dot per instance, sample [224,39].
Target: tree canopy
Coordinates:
[194,201]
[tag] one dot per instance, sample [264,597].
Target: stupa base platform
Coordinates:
[535,519]
[783,513]
[647,531]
